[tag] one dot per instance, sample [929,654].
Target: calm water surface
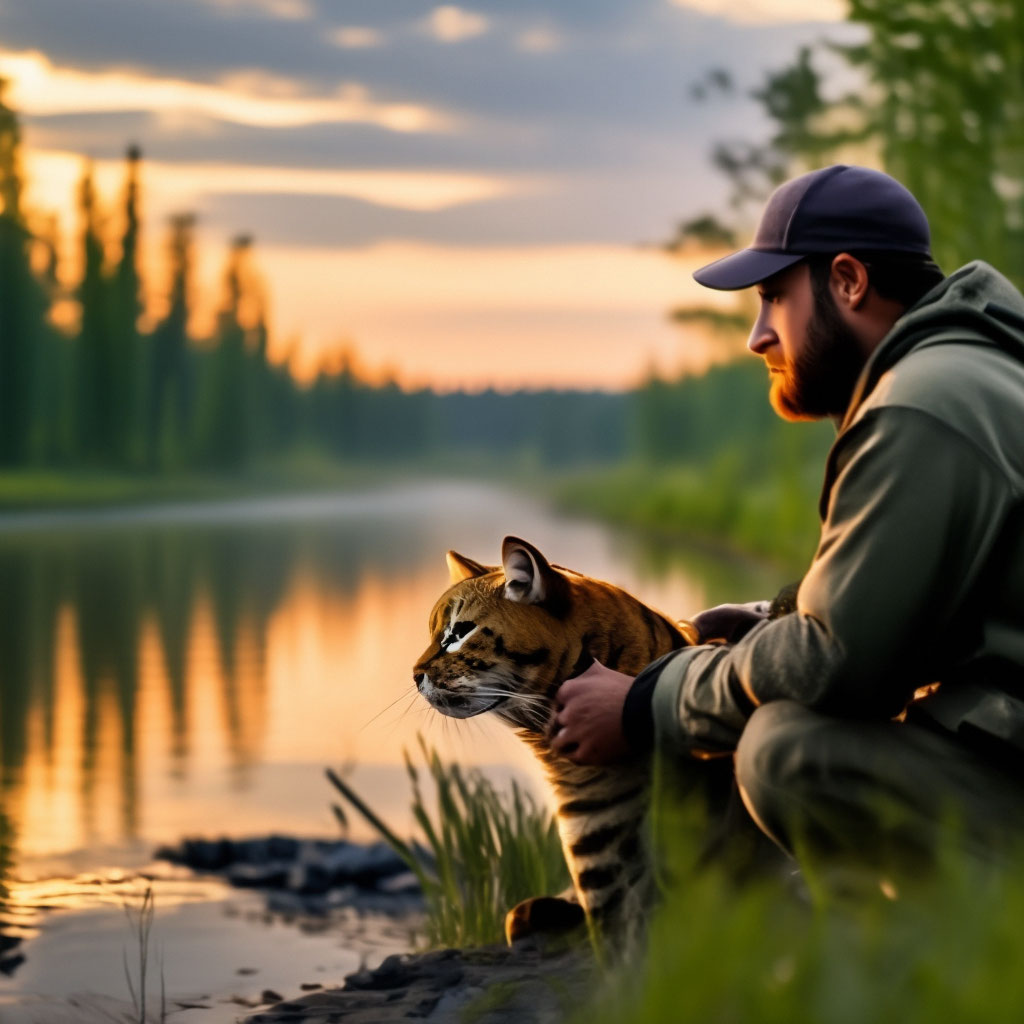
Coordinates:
[192,670]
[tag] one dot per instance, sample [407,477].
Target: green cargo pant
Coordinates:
[880,794]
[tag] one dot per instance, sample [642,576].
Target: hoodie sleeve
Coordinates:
[913,513]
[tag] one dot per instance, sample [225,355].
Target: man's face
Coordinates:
[812,354]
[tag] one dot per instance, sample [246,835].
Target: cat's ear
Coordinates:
[528,577]
[462,568]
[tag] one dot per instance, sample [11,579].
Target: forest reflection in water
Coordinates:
[192,670]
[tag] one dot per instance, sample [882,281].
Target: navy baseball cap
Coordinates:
[836,209]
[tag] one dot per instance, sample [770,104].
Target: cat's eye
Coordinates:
[456,633]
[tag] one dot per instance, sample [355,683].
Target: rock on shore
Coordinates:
[311,876]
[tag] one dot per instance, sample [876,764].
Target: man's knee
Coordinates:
[770,758]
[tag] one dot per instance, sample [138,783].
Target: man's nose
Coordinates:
[762,337]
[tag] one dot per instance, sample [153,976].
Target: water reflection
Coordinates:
[193,669]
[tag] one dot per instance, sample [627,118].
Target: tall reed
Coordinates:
[140,921]
[480,852]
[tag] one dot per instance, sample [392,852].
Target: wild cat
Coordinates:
[503,639]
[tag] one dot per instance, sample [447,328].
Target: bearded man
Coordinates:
[918,578]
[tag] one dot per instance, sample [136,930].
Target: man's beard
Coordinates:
[820,381]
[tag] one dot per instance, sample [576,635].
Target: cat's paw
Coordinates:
[542,915]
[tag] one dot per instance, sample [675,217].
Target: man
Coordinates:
[919,573]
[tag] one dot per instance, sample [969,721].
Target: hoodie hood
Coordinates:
[974,305]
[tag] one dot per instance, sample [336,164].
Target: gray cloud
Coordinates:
[519,147]
[612,105]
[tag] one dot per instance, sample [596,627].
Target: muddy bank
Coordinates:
[490,985]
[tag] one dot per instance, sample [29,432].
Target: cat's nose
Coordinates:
[420,680]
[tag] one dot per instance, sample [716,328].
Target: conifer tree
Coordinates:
[124,384]
[22,305]
[95,354]
[170,391]
[53,396]
[226,427]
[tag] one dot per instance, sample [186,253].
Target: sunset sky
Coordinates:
[464,194]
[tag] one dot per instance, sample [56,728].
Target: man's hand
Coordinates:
[588,726]
[730,622]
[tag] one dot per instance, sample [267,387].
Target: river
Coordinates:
[191,670]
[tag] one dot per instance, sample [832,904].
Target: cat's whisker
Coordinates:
[498,691]
[534,703]
[410,700]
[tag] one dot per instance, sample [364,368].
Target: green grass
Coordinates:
[486,850]
[947,947]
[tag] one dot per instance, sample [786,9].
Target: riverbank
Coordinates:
[29,490]
[769,517]
[488,985]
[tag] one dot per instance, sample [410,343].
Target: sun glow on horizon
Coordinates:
[533,316]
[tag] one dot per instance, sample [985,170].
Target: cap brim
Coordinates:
[743,269]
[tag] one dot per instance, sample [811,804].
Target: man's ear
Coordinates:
[849,281]
[528,577]
[462,568]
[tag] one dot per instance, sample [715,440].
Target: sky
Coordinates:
[464,195]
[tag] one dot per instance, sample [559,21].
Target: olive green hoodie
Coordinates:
[919,572]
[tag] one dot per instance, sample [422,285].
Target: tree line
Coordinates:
[109,394]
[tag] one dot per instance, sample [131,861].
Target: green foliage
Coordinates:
[945,108]
[706,230]
[484,850]
[235,367]
[123,387]
[23,327]
[717,319]
[793,105]
[939,105]
[170,389]
[715,502]
[94,352]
